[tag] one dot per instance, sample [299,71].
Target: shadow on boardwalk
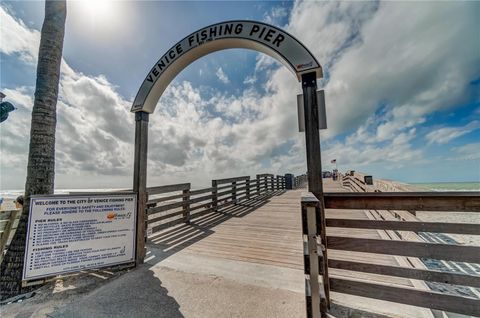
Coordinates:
[172,240]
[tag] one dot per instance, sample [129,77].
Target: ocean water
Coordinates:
[448,186]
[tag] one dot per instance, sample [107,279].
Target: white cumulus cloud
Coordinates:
[222,76]
[446,134]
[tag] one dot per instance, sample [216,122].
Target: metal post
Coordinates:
[247,188]
[314,160]
[140,181]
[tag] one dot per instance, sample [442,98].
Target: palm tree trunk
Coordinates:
[41,156]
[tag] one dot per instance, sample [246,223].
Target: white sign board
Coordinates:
[252,35]
[77,232]
[322,113]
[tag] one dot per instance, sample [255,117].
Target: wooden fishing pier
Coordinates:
[371,240]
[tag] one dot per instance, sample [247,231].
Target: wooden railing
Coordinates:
[8,223]
[354,183]
[300,181]
[411,201]
[177,203]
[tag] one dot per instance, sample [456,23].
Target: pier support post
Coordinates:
[140,182]
[314,161]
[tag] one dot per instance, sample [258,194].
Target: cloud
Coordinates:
[446,134]
[222,76]
[383,78]
[193,137]
[467,152]
[374,59]
[275,15]
[17,38]
[94,126]
[250,80]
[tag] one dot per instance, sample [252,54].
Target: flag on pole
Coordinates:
[333,161]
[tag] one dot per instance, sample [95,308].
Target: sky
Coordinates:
[401,81]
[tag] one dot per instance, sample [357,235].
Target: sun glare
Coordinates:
[99,12]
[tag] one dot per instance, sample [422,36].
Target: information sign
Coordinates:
[77,232]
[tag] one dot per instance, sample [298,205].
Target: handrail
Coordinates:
[178,203]
[300,181]
[314,256]
[418,201]
[410,201]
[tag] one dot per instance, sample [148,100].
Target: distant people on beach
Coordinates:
[19,202]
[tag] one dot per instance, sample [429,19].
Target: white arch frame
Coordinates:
[253,35]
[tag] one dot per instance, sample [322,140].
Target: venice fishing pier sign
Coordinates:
[252,35]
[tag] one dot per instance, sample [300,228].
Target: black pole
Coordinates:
[314,161]
[140,181]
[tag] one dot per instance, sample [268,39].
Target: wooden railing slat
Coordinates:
[413,273]
[164,207]
[230,180]
[450,252]
[219,194]
[408,296]
[168,188]
[411,201]
[200,191]
[201,199]
[169,198]
[436,227]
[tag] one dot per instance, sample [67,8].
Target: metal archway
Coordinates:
[253,35]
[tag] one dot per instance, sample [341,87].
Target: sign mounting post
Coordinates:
[314,160]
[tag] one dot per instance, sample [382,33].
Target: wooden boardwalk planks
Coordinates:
[269,233]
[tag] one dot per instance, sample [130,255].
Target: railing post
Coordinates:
[265,182]
[214,195]
[313,259]
[272,182]
[186,205]
[234,192]
[258,184]
[247,188]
